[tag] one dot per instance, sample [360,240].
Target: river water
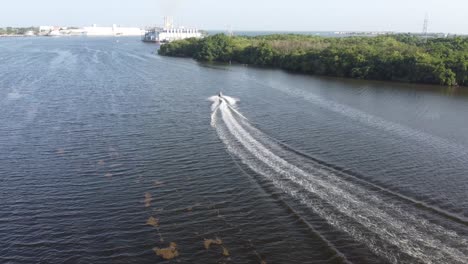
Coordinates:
[98,135]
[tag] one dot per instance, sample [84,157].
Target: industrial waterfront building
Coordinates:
[91,31]
[112,31]
[170,33]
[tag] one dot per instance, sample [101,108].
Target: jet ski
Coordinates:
[220,94]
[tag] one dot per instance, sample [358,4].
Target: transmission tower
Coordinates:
[425,26]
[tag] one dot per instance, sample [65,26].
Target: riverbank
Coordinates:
[400,58]
[16,36]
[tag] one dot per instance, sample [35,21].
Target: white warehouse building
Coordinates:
[112,31]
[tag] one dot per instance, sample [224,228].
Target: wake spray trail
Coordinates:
[390,228]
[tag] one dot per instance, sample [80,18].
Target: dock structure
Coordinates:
[169,33]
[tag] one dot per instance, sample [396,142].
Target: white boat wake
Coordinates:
[392,229]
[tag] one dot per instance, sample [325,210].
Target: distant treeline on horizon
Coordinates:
[253,33]
[395,57]
[17,30]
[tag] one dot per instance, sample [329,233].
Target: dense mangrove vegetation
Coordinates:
[395,57]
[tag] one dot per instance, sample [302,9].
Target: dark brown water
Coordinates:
[98,135]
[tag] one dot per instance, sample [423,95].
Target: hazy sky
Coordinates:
[290,15]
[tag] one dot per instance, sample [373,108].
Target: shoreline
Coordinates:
[396,58]
[16,36]
[427,86]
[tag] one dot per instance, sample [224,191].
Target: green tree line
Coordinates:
[17,31]
[402,58]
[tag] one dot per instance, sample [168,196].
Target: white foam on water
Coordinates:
[232,101]
[385,227]
[63,59]
[216,100]
[14,95]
